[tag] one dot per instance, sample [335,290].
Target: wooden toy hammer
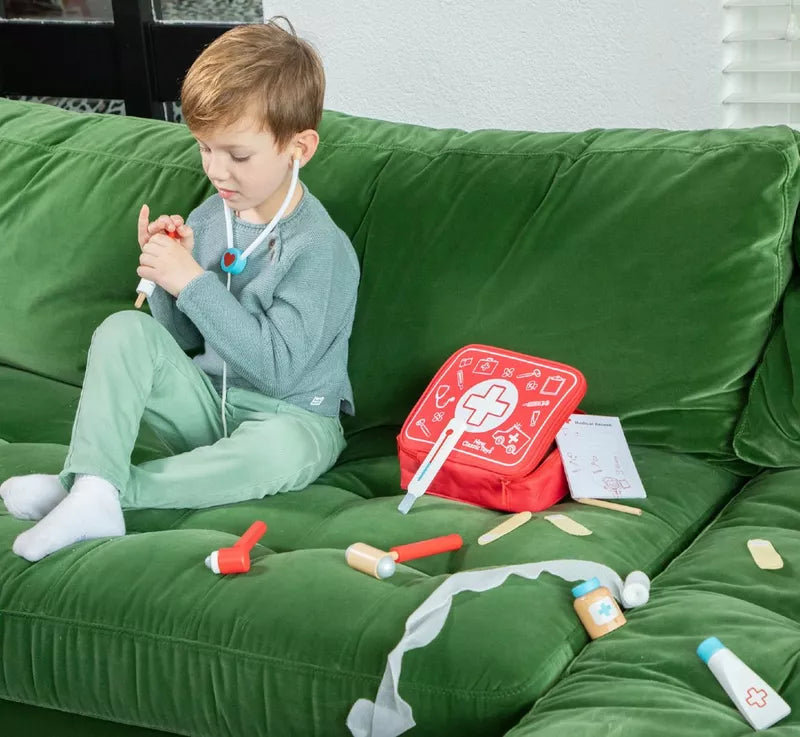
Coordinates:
[380,564]
[236,559]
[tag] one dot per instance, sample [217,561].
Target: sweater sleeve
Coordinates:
[273,348]
[163,308]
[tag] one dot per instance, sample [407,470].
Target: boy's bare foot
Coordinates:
[32,496]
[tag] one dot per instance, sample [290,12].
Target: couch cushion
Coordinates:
[35,408]
[137,630]
[645,678]
[68,251]
[651,260]
[18,719]
[768,433]
[39,410]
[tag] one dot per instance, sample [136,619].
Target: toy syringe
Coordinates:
[146,287]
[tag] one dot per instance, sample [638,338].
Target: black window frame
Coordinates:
[136,57]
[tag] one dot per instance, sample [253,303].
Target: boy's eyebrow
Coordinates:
[240,146]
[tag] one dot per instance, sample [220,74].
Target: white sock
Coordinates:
[31,496]
[89,511]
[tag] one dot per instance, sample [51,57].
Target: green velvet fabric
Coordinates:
[646,679]
[654,261]
[651,260]
[137,629]
[19,719]
[768,433]
[68,251]
[38,410]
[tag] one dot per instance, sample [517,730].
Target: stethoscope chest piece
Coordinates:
[232,261]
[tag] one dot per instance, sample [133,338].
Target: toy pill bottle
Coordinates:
[595,606]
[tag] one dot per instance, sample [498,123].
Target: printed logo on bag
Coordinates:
[507,401]
[317,401]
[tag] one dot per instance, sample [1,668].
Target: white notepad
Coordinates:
[597,459]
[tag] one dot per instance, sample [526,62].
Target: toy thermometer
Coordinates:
[433,462]
[146,287]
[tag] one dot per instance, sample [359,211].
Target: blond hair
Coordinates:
[264,69]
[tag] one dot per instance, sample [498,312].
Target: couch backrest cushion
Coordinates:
[70,193]
[768,432]
[651,260]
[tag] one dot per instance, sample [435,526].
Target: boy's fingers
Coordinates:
[144,214]
[187,237]
[177,220]
[159,240]
[159,224]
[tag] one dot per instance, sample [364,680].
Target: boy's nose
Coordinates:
[216,171]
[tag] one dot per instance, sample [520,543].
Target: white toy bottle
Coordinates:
[759,704]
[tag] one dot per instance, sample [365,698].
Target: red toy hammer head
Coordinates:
[236,559]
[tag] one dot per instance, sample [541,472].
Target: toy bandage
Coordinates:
[765,555]
[388,715]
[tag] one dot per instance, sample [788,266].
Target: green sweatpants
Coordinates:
[136,372]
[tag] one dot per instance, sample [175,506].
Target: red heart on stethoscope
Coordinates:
[228,259]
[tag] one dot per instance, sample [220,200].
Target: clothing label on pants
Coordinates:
[603,611]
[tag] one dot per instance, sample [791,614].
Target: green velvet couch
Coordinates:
[661,264]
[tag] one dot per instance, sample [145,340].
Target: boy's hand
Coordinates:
[163,224]
[167,263]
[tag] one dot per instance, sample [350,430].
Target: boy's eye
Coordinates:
[239,158]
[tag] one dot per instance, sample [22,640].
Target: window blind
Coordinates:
[761,67]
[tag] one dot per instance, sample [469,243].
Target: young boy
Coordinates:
[278,330]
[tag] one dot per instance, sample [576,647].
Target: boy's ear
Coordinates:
[304,145]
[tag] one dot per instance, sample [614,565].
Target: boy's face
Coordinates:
[245,165]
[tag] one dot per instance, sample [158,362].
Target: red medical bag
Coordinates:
[513,406]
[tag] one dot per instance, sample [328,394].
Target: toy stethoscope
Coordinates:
[234,260]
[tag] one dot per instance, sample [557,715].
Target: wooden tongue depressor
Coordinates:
[567,524]
[765,555]
[504,527]
[610,505]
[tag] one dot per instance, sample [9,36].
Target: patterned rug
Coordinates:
[246,11]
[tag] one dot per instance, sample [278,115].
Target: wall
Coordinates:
[520,64]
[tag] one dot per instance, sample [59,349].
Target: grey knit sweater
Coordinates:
[284,327]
